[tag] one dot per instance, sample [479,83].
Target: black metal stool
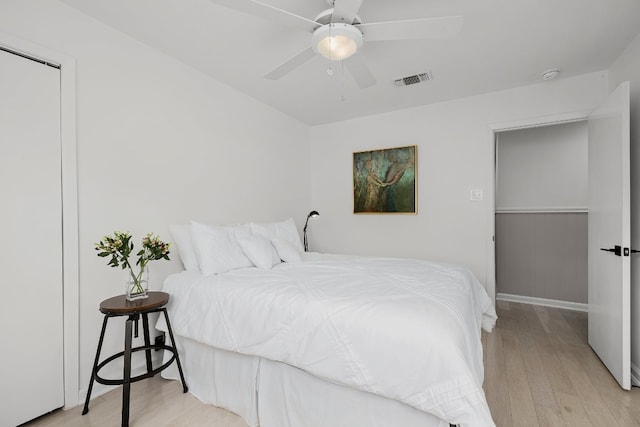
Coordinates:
[120,306]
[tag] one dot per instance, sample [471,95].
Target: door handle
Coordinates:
[616,250]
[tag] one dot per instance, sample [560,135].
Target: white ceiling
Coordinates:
[503,44]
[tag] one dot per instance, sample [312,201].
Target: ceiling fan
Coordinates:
[338,33]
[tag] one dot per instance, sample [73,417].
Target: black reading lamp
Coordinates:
[312,214]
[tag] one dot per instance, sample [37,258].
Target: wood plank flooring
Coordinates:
[155,402]
[539,371]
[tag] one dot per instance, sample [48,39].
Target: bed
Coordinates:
[328,340]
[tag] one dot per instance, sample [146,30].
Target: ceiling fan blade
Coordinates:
[424,28]
[360,71]
[271,13]
[290,64]
[345,11]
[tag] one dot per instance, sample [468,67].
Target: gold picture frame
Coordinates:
[384,181]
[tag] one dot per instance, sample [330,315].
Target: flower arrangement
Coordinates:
[119,247]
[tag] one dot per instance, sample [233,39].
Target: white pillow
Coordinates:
[259,250]
[286,251]
[217,247]
[181,234]
[285,230]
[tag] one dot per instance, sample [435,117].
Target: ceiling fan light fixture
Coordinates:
[336,41]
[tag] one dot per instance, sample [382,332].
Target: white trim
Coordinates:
[492,129]
[567,305]
[553,119]
[533,209]
[71,322]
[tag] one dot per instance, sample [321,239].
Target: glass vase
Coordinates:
[137,285]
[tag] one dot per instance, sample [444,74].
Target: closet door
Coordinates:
[31,367]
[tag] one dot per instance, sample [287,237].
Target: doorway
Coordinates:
[492,131]
[541,215]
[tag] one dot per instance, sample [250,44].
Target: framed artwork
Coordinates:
[384,181]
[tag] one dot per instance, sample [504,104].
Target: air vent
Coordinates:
[412,80]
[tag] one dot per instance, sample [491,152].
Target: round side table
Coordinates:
[120,306]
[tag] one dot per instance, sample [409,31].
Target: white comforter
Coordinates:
[405,329]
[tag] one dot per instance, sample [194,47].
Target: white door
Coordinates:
[31,322]
[609,235]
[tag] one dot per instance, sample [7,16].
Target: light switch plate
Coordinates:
[476,195]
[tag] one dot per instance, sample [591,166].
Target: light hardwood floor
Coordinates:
[155,402]
[539,371]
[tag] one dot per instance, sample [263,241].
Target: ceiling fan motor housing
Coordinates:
[326,17]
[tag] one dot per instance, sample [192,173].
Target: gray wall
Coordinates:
[541,212]
[542,255]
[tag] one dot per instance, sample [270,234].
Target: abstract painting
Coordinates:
[384,181]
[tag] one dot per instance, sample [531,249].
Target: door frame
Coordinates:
[69,184]
[492,130]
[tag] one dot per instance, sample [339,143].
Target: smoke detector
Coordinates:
[415,79]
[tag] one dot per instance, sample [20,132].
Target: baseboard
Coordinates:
[567,305]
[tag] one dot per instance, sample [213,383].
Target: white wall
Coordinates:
[159,143]
[542,168]
[627,68]
[455,156]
